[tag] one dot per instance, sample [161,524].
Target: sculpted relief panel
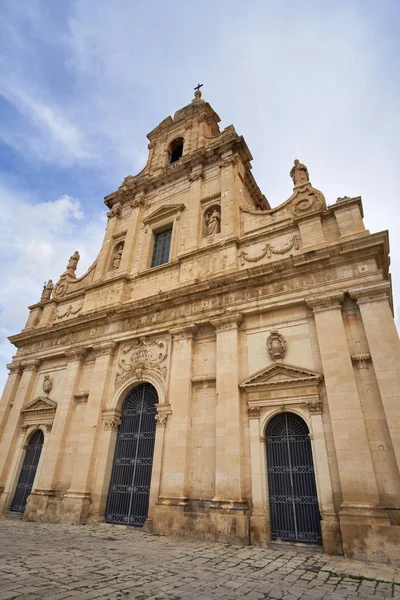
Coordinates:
[140,356]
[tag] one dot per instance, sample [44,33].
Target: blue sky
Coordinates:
[83,81]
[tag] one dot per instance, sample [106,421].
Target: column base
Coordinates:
[226,522]
[74,508]
[330,532]
[367,534]
[43,506]
[260,529]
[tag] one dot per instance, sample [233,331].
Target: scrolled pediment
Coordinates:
[40,404]
[280,375]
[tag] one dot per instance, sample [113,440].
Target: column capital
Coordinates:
[375,293]
[14,367]
[76,354]
[253,412]
[184,331]
[227,161]
[227,321]
[105,348]
[32,364]
[323,303]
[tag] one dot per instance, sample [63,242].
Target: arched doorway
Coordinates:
[128,496]
[293,498]
[28,472]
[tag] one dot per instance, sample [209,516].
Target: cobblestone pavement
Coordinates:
[54,562]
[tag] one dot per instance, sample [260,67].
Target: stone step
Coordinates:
[12,514]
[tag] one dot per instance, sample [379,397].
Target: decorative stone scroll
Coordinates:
[276,345]
[142,355]
[161,419]
[269,249]
[61,286]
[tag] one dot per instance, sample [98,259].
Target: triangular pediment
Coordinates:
[280,374]
[164,211]
[40,404]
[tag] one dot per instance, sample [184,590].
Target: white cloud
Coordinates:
[36,240]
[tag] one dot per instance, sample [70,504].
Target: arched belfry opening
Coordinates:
[128,496]
[28,471]
[293,501]
[175,150]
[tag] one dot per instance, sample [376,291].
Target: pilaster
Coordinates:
[9,392]
[11,433]
[131,237]
[174,478]
[76,502]
[229,212]
[38,507]
[194,213]
[360,507]
[106,248]
[384,347]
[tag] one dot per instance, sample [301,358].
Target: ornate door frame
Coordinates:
[286,388]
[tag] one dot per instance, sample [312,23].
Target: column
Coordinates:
[76,502]
[11,432]
[111,419]
[229,214]
[228,468]
[9,392]
[161,423]
[174,477]
[329,525]
[258,519]
[360,498]
[52,455]
[384,346]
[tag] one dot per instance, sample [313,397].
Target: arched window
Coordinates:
[175,150]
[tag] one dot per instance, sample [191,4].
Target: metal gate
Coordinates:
[291,481]
[128,496]
[28,472]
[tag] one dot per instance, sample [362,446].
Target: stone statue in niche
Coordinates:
[213,221]
[276,345]
[47,289]
[117,254]
[299,173]
[73,263]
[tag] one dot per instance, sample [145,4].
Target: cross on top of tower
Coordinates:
[198,86]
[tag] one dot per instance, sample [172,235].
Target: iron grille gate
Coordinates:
[28,472]
[128,497]
[291,481]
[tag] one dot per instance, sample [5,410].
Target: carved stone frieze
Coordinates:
[269,249]
[63,312]
[276,345]
[144,354]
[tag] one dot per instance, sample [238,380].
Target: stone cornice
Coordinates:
[373,293]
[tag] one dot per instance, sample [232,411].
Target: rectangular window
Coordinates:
[162,244]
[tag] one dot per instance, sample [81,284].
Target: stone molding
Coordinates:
[360,358]
[228,321]
[229,160]
[81,397]
[76,354]
[186,331]
[204,379]
[194,176]
[324,303]
[104,348]
[376,293]
[14,368]
[280,375]
[31,365]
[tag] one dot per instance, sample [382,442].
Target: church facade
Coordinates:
[224,369]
